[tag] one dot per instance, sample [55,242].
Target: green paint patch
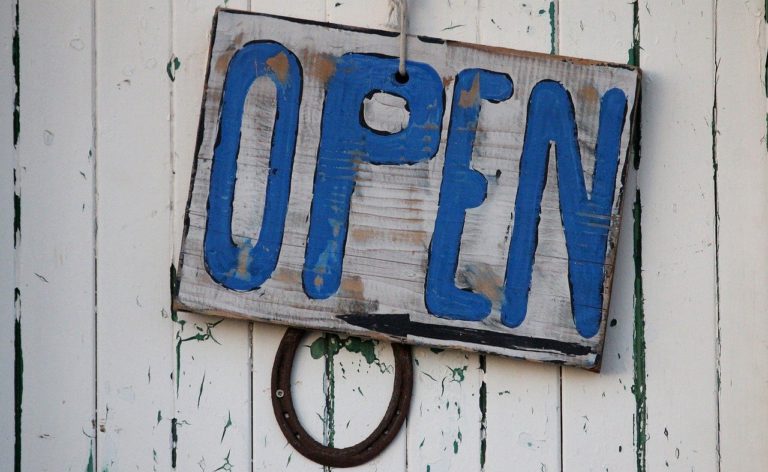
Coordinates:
[326,345]
[173,65]
[16,54]
[226,466]
[174,292]
[203,334]
[452,27]
[458,373]
[200,393]
[634,60]
[159,416]
[367,348]
[174,441]
[226,426]
[638,341]
[552,28]
[483,403]
[16,216]
[436,350]
[18,382]
[331,344]
[330,393]
[89,466]
[634,51]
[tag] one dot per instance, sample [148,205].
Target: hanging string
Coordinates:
[402,7]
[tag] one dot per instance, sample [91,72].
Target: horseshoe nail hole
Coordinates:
[279,393]
[385,113]
[286,415]
[401,78]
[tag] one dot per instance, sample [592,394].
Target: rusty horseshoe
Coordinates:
[365,450]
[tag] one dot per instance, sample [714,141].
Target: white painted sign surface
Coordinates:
[330,194]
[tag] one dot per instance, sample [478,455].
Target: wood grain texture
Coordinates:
[362,389]
[742,209]
[271,451]
[135,363]
[384,268]
[599,411]
[522,400]
[212,357]
[678,234]
[55,278]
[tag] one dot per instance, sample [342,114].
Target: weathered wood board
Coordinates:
[330,193]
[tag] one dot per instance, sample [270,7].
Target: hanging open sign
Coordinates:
[473,203]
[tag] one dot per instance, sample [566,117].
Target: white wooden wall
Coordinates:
[109,94]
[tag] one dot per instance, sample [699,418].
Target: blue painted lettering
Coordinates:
[461,188]
[586,217]
[248,265]
[347,141]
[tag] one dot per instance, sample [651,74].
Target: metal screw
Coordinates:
[279,393]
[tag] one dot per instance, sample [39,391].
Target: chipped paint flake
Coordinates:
[174,64]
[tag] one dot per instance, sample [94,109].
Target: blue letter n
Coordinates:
[586,217]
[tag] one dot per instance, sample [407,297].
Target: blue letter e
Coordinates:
[462,188]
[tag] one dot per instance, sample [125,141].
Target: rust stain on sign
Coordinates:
[471,97]
[279,65]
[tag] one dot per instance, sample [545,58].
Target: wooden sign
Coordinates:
[472,204]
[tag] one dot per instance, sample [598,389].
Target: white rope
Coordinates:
[402,7]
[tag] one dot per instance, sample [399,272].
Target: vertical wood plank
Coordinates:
[521,399]
[137,427]
[599,410]
[7,253]
[271,450]
[678,234]
[363,378]
[213,398]
[742,204]
[359,390]
[444,426]
[213,404]
[445,418]
[56,236]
